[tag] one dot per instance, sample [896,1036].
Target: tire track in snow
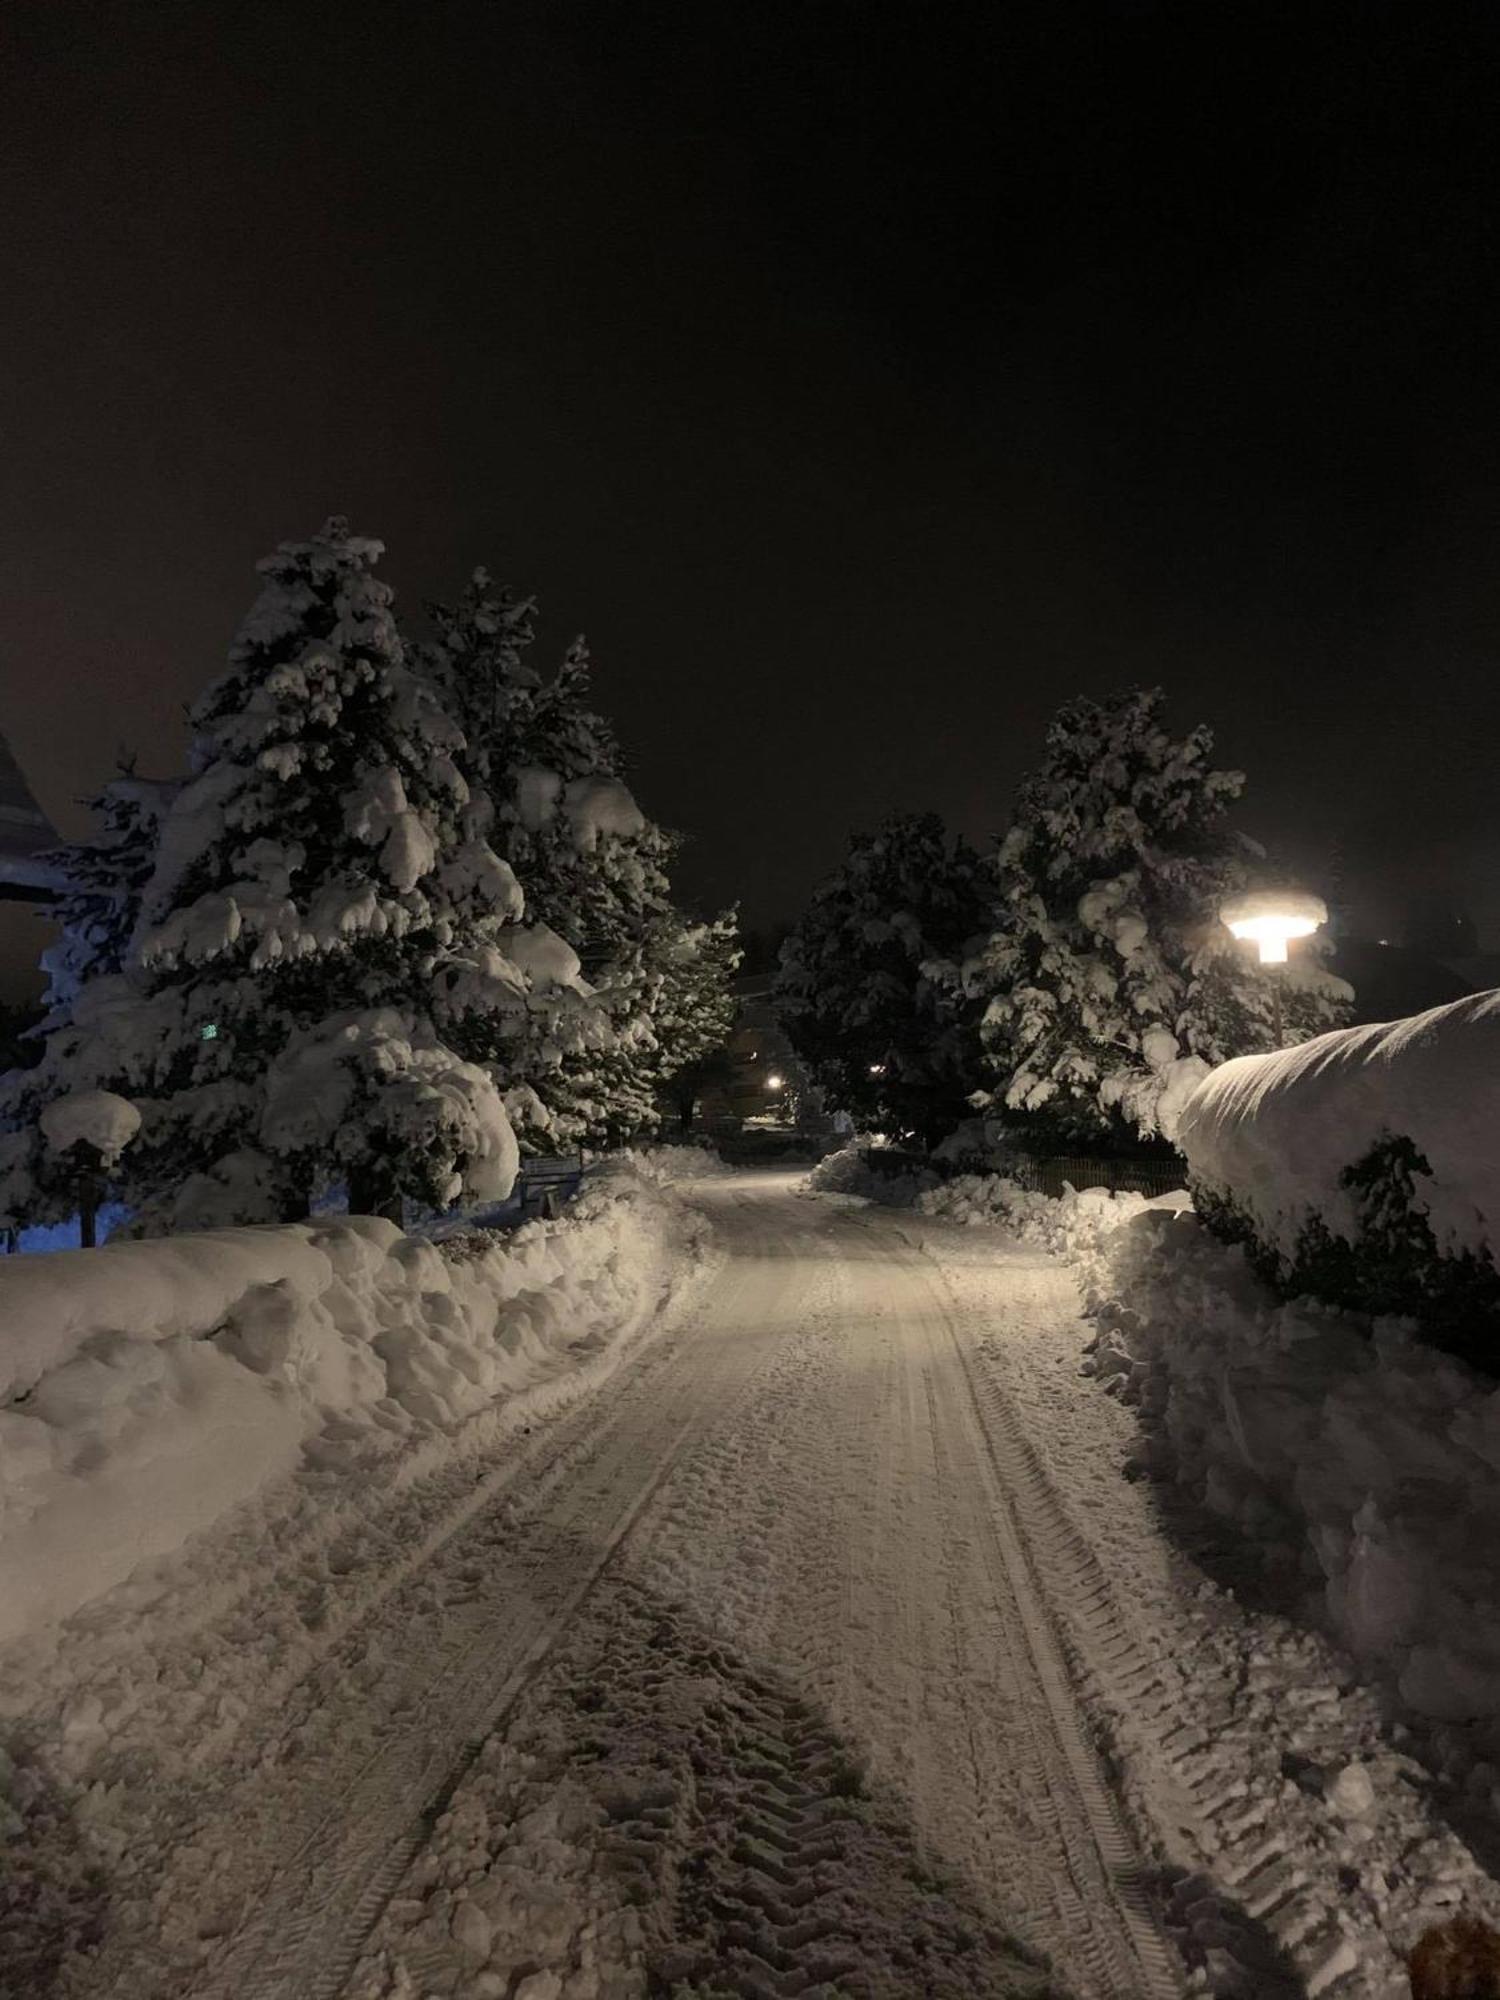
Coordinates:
[1280,1936]
[710,1833]
[896,1587]
[313,1917]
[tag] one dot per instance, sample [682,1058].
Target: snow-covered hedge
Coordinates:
[1364,1463]
[147,1387]
[1362,1168]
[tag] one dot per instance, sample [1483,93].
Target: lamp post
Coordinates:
[1271,917]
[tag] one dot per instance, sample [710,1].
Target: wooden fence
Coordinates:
[1148,1177]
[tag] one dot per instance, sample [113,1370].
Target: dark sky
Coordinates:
[864,380]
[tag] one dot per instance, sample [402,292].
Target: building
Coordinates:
[26,836]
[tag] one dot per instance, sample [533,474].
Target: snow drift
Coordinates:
[1350,1455]
[147,1387]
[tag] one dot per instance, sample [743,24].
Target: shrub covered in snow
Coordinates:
[1362,1169]
[1351,1456]
[147,1387]
[1111,984]
[881,1038]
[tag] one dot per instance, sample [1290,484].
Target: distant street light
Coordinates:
[774,1082]
[1271,917]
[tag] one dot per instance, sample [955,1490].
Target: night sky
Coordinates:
[863,380]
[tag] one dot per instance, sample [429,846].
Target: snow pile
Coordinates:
[1069,1225]
[147,1387]
[1352,1456]
[850,1171]
[669,1166]
[1276,1133]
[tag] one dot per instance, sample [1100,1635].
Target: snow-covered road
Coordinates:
[781,1663]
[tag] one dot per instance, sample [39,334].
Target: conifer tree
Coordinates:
[695,1002]
[594,866]
[323,908]
[97,912]
[1110,983]
[883,1038]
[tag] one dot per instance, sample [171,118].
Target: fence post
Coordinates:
[88,1205]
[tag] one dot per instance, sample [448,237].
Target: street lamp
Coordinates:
[1271,917]
[774,1082]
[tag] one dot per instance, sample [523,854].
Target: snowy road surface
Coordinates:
[777,1665]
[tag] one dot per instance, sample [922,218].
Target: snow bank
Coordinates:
[1354,1457]
[147,1387]
[1277,1132]
[1069,1225]
[850,1171]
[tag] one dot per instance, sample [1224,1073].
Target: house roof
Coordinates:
[26,835]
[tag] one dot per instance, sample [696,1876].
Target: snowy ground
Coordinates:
[827,1647]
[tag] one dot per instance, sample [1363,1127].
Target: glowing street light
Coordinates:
[1271,917]
[775,1082]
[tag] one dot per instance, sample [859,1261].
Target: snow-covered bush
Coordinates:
[1110,985]
[1362,1169]
[146,1388]
[1352,1457]
[883,1040]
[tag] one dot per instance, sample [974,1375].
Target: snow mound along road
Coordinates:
[146,1388]
[1358,1462]
[1276,1133]
[1070,1225]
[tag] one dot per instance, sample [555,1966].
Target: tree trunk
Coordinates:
[88,1209]
[370,1194]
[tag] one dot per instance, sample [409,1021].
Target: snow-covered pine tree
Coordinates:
[323,906]
[695,1003]
[594,866]
[97,912]
[1110,983]
[556,1050]
[882,1038]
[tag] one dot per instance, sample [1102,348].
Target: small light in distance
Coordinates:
[774,1082]
[209,1032]
[877,1069]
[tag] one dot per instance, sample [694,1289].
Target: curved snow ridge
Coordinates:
[662,1816]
